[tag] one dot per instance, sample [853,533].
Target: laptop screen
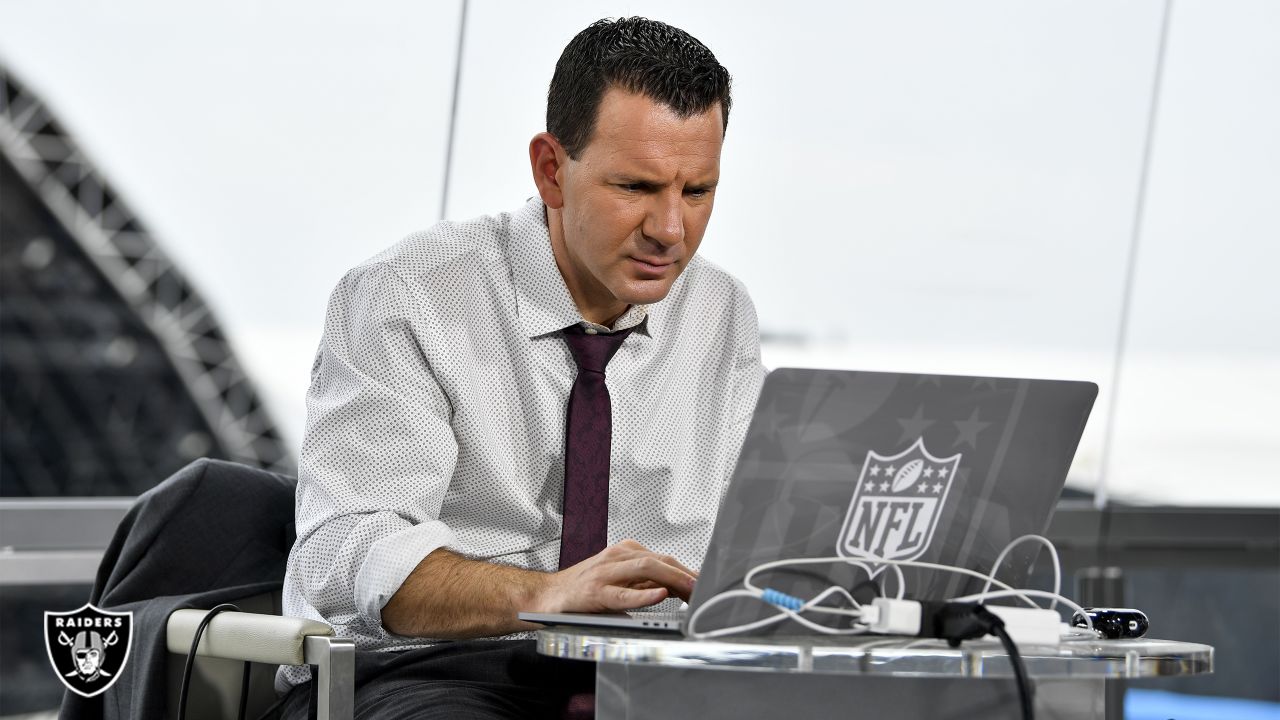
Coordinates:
[866,465]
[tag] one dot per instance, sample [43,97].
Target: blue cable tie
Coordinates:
[781,599]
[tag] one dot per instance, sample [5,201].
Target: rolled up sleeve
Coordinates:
[377,454]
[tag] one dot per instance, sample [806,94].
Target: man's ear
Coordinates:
[547,159]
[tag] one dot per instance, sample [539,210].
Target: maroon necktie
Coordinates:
[587,434]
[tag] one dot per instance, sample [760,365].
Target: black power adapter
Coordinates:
[1115,623]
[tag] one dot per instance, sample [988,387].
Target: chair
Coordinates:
[214,532]
[265,639]
[259,635]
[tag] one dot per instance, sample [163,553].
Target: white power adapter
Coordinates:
[888,616]
[1029,626]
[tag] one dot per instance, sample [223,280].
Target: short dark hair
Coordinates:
[661,62]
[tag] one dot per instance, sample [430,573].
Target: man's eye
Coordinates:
[632,187]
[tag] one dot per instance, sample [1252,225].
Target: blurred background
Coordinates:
[1083,190]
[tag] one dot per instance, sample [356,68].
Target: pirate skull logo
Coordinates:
[88,647]
[88,650]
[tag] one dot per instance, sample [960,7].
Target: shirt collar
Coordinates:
[543,302]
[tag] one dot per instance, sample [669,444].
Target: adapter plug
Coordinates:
[888,616]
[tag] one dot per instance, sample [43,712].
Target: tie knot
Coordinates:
[592,351]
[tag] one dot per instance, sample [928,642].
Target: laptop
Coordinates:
[944,469]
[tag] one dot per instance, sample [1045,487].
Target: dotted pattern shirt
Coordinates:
[436,416]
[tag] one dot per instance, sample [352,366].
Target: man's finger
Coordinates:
[624,598]
[647,568]
[676,563]
[630,548]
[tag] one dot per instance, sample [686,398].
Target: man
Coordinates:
[533,411]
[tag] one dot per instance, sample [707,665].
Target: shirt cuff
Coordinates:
[389,562]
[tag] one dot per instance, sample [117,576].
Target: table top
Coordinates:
[879,655]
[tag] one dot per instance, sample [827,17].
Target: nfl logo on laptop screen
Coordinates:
[897,500]
[872,466]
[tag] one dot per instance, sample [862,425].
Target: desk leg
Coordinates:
[644,692]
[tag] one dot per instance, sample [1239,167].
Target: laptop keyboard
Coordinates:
[668,615]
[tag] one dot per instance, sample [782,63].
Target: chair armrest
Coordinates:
[245,636]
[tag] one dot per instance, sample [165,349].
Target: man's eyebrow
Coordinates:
[633,180]
[642,180]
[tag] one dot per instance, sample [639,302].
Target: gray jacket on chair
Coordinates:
[213,532]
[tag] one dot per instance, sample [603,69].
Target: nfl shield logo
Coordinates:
[896,506]
[88,647]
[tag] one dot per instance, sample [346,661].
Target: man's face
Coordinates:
[87,661]
[636,202]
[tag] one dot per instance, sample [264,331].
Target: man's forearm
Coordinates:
[448,596]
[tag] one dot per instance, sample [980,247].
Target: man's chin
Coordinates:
[644,292]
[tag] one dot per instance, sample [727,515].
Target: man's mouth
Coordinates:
[652,267]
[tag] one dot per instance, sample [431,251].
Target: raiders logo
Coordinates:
[88,647]
[896,506]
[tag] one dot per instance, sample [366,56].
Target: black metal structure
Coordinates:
[113,372]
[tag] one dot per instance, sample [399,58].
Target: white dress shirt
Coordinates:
[436,415]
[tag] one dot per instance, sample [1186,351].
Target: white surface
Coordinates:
[1197,420]
[269,146]
[907,174]
[932,185]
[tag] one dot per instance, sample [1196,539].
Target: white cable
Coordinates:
[1079,633]
[782,614]
[902,582]
[753,591]
[1013,592]
[855,611]
[858,561]
[693,618]
[757,592]
[1053,553]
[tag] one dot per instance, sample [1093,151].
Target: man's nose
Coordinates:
[664,223]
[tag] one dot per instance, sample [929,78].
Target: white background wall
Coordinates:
[925,185]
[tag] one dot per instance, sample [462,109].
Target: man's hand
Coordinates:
[623,576]
[448,596]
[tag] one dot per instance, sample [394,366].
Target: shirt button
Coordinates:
[591,331]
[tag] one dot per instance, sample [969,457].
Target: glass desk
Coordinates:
[643,675]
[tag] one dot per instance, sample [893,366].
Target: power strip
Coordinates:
[1030,626]
[1026,626]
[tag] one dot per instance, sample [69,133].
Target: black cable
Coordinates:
[191,662]
[1019,670]
[244,691]
[995,626]
[956,622]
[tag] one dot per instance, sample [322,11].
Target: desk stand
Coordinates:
[643,675]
